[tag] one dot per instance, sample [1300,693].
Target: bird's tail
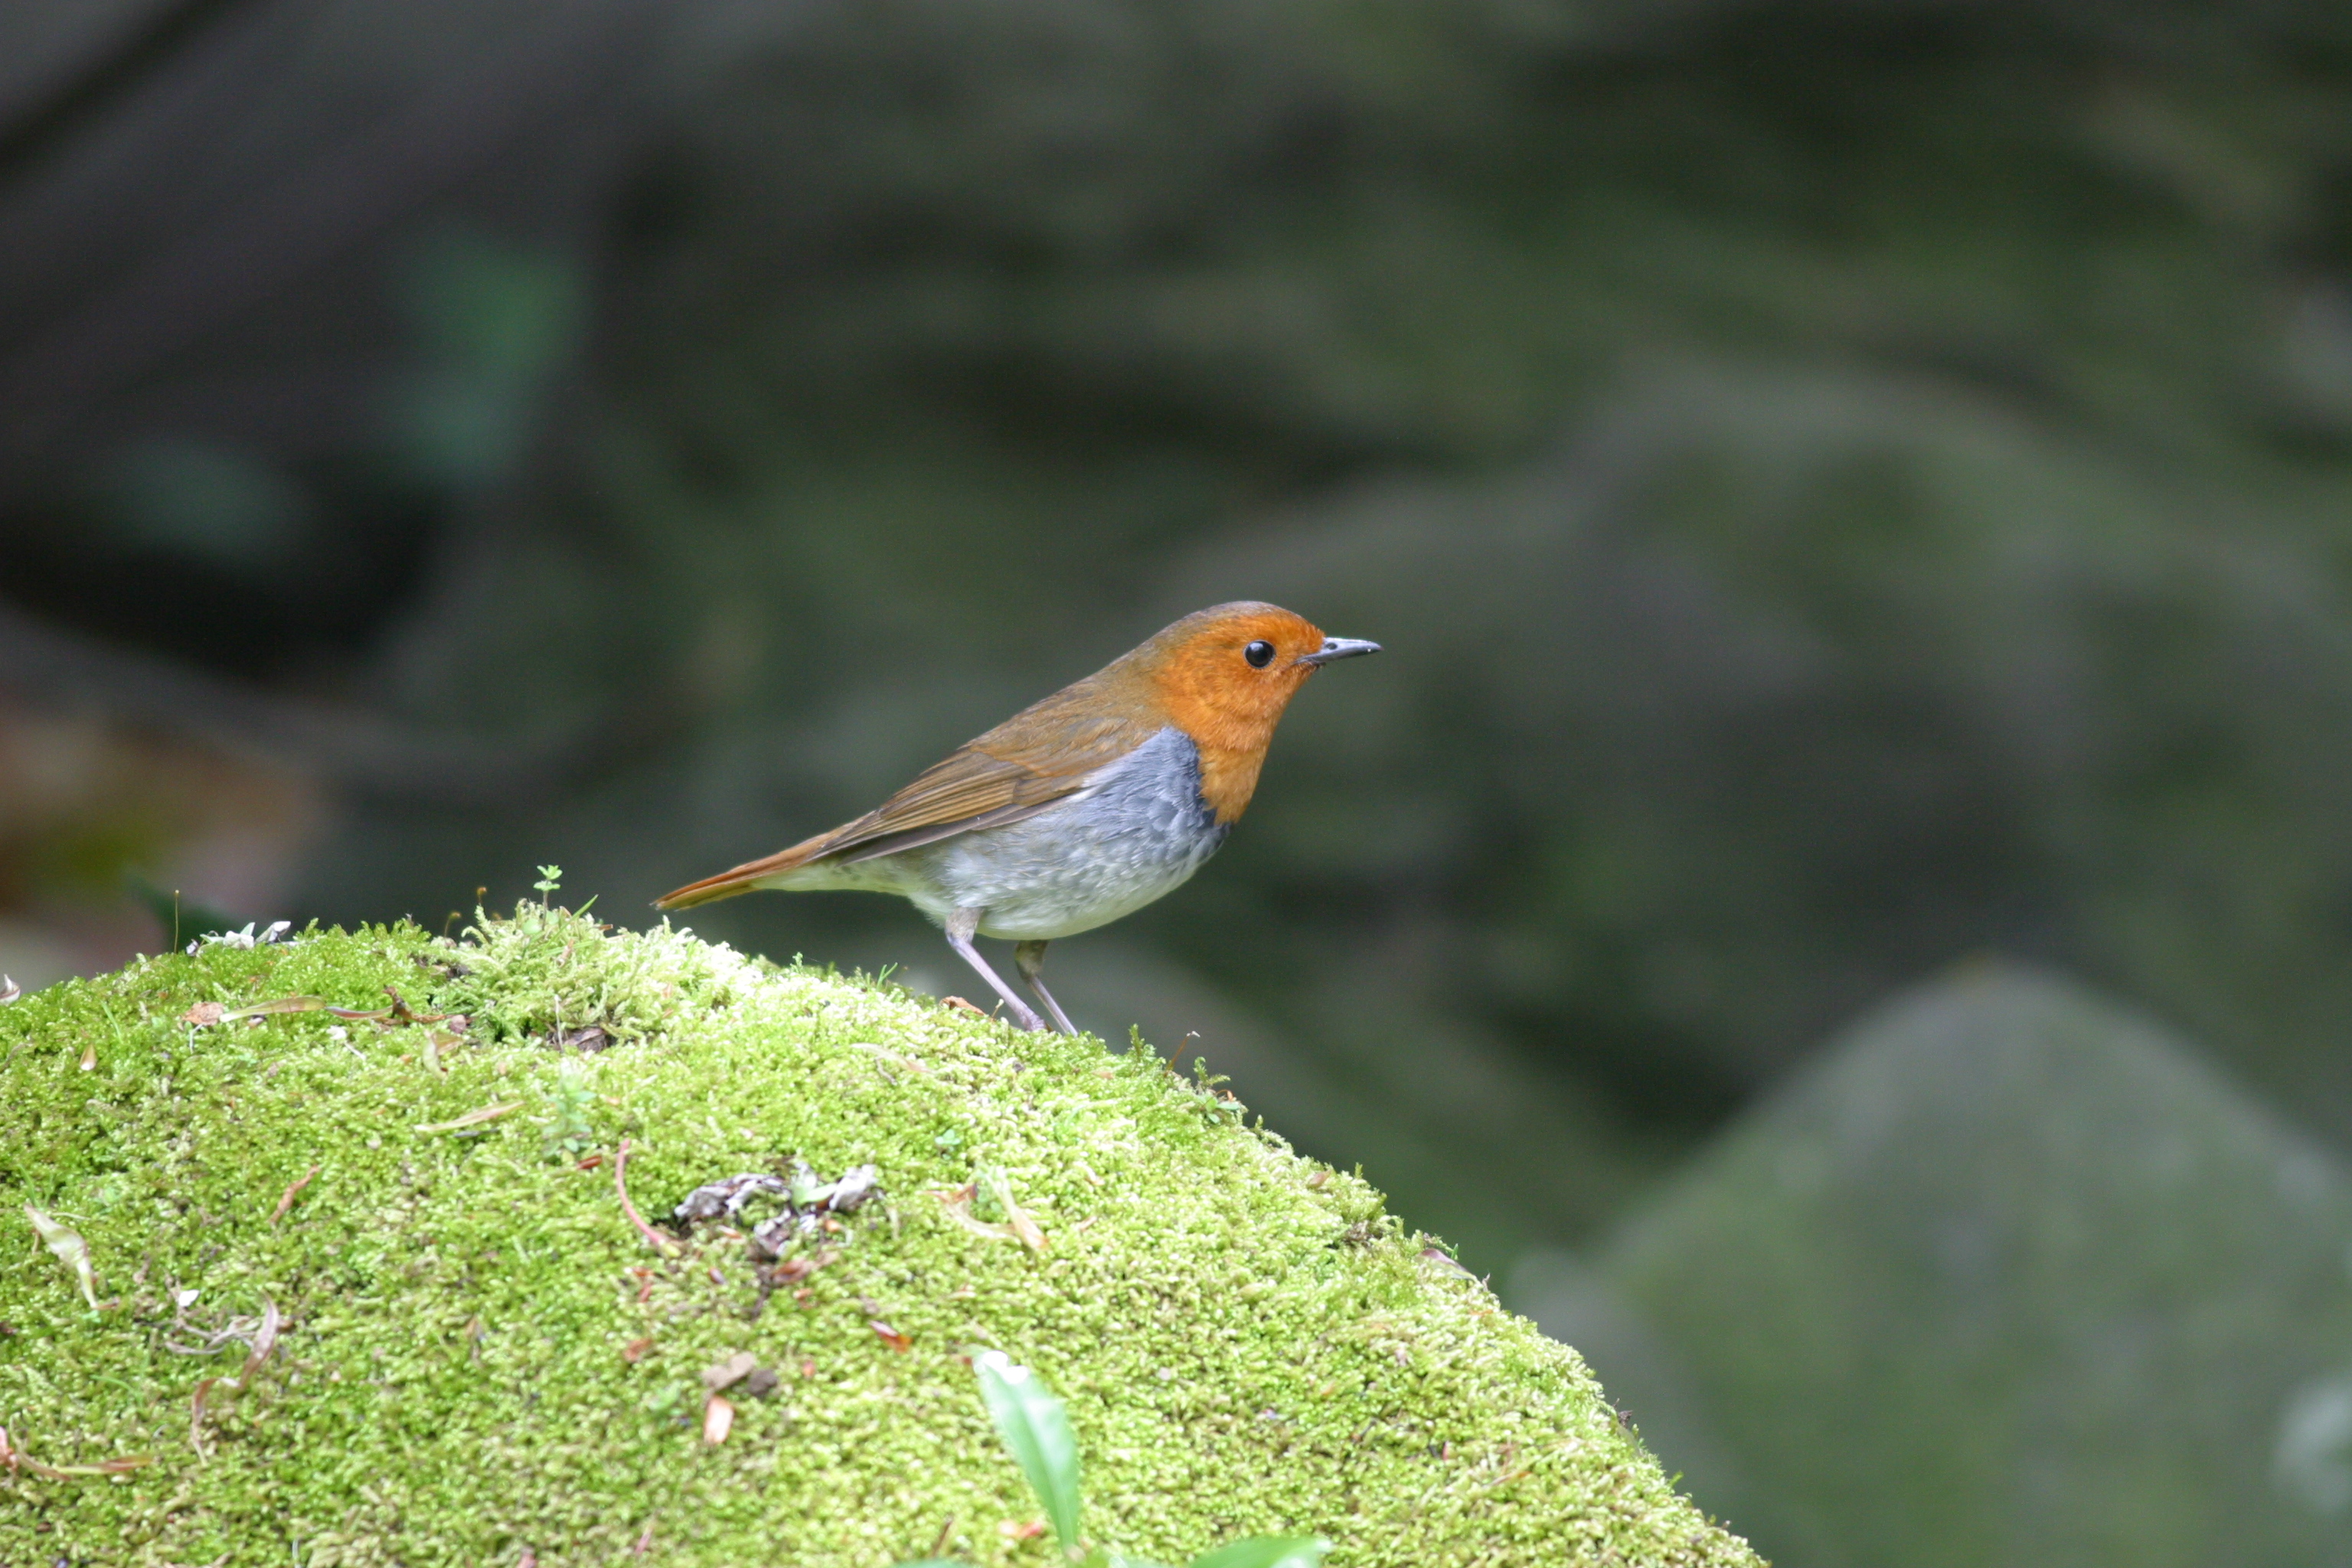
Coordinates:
[747,877]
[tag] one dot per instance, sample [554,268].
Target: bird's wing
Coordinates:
[1016,770]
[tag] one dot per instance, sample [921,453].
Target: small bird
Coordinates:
[1080,809]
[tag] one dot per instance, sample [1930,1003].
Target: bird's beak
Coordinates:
[1339,647]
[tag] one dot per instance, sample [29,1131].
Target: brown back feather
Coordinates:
[1016,770]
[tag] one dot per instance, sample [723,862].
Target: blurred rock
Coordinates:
[2009,1276]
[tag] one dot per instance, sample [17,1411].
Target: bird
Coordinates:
[1080,809]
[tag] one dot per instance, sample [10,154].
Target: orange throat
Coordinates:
[1232,735]
[1229,777]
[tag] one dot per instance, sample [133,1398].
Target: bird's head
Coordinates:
[1224,674]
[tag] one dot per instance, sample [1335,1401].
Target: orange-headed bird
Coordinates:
[1078,810]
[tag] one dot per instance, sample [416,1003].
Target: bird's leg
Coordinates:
[960,925]
[1029,958]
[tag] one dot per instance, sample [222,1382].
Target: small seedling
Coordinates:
[566,1128]
[1035,1426]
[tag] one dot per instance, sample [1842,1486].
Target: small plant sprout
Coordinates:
[550,881]
[1035,1426]
[567,1130]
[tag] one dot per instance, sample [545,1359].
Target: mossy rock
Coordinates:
[2010,1274]
[480,1358]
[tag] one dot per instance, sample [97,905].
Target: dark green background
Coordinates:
[1846,490]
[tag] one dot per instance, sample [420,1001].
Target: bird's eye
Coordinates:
[1260,654]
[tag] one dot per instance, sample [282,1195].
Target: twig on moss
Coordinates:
[473,1117]
[655,1239]
[257,1353]
[15,1458]
[286,1199]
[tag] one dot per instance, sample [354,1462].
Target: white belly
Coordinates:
[1138,831]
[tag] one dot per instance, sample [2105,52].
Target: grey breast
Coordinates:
[1137,831]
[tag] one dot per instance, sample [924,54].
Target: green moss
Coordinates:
[1247,1342]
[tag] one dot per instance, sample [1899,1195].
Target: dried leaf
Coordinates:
[401,1011]
[728,1196]
[810,1203]
[654,1239]
[1439,1257]
[635,1351]
[13,1459]
[474,1118]
[586,1040]
[897,1341]
[285,1198]
[264,1341]
[9,990]
[959,1210]
[961,1005]
[203,1013]
[729,1373]
[857,1186]
[1000,1187]
[70,1248]
[279,1004]
[718,1420]
[196,1416]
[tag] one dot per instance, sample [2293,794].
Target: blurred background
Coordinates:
[1839,896]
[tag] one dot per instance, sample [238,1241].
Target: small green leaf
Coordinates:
[931,1562]
[1037,1429]
[1266,1551]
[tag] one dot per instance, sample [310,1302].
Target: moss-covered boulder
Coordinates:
[2009,1275]
[367,1291]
